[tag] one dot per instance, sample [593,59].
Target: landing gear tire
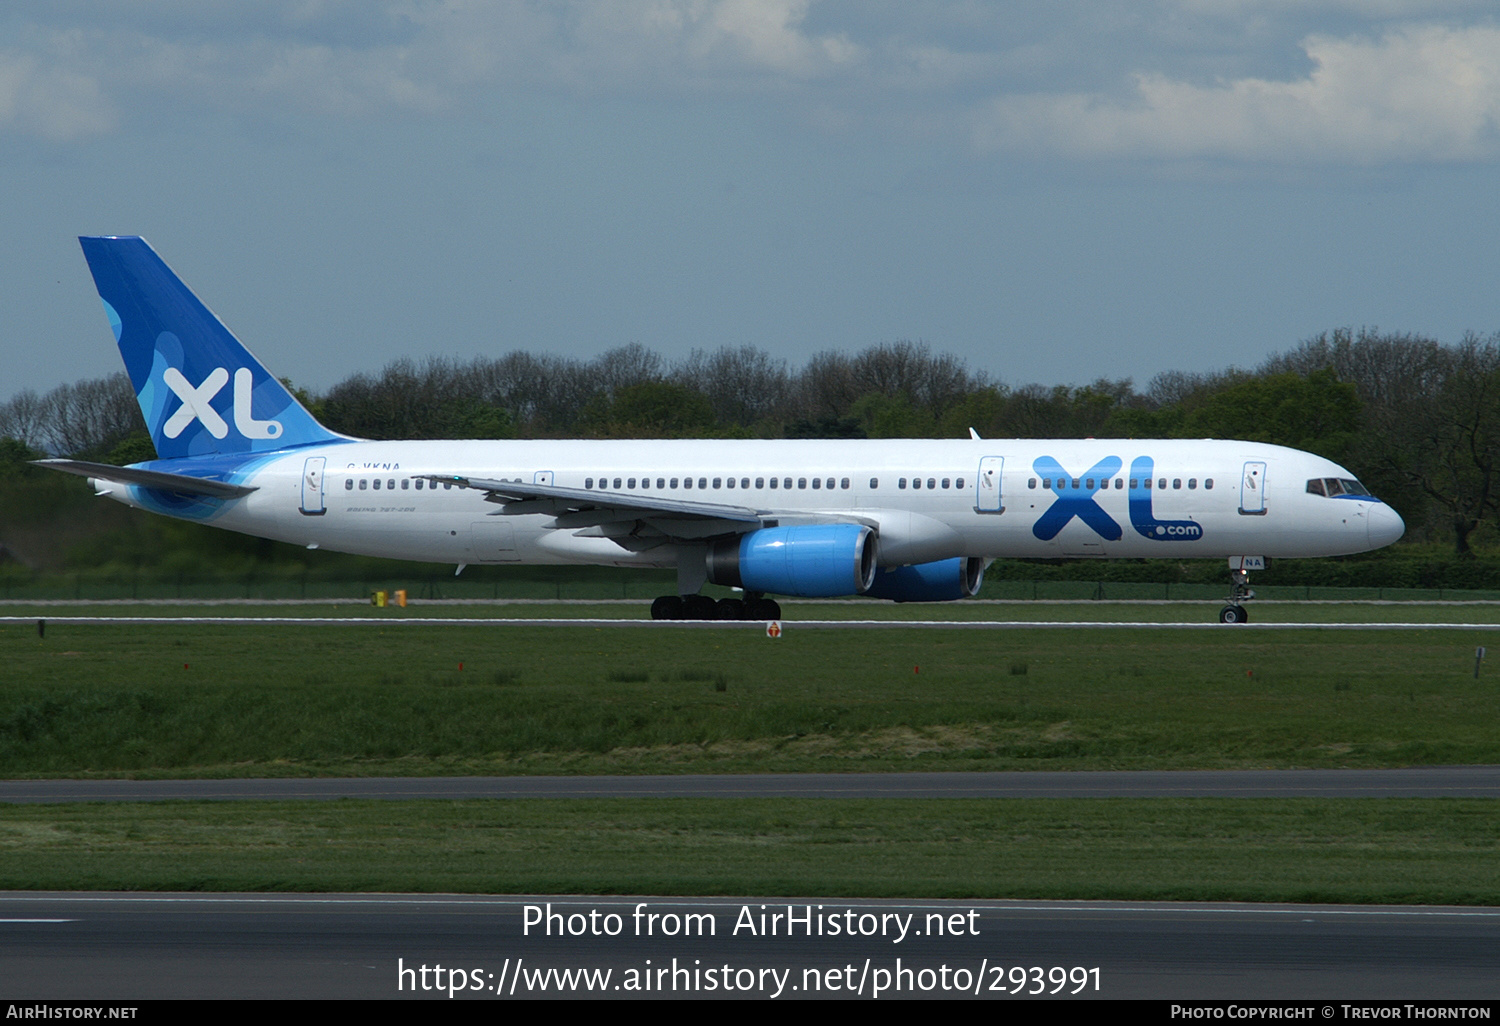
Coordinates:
[763,609]
[1234,614]
[729,609]
[668,607]
[697,607]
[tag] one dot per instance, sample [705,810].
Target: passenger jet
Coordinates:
[911,520]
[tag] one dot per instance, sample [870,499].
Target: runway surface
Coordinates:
[1422,782]
[756,625]
[134,947]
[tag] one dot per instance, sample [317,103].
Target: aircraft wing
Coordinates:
[182,484]
[633,521]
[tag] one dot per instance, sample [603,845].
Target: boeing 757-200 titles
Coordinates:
[913,520]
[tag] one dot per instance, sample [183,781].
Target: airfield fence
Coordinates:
[639,586]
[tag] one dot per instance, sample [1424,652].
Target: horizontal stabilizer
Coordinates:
[182,484]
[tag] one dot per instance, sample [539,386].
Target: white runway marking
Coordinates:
[792,625]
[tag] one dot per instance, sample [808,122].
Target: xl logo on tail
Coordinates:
[195,405]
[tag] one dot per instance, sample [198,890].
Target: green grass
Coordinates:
[364,699]
[1300,850]
[390,698]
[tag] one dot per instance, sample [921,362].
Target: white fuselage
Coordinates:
[927,499]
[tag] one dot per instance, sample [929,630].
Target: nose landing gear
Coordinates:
[1239,594]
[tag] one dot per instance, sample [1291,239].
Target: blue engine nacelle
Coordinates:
[807,560]
[942,581]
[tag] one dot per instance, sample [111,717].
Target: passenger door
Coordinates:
[987,487]
[1253,490]
[312,487]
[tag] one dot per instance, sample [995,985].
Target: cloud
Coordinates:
[1426,93]
[50,100]
[78,65]
[1079,80]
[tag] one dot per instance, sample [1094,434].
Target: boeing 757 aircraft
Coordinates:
[912,520]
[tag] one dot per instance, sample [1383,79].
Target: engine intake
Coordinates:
[807,560]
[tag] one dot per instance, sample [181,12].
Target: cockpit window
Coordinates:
[1336,486]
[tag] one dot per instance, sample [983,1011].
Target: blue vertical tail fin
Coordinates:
[200,390]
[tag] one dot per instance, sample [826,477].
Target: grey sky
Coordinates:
[1054,191]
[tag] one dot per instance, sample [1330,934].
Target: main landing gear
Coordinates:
[1239,593]
[700,607]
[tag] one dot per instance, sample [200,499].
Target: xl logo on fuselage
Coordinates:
[1141,516]
[1075,498]
[195,405]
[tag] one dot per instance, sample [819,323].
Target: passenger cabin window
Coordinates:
[348,484]
[874,483]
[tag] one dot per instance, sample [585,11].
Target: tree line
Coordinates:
[1417,420]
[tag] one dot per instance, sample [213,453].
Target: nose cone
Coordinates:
[1386,525]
